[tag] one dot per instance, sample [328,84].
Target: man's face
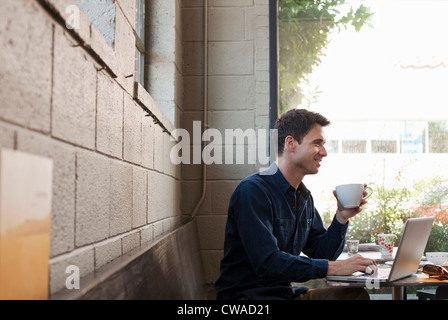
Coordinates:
[309,154]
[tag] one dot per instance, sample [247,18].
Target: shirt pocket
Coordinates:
[304,230]
[283,231]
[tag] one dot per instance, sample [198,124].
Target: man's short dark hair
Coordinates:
[297,123]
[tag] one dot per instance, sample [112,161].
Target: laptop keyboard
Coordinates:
[382,273]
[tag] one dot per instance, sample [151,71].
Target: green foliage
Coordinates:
[304,26]
[389,208]
[438,239]
[385,212]
[433,201]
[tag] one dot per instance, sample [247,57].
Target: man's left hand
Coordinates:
[344,214]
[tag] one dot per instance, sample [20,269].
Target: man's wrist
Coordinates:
[340,217]
[332,268]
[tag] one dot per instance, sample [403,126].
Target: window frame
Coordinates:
[140,46]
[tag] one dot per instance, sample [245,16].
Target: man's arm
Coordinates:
[329,243]
[252,213]
[349,266]
[357,262]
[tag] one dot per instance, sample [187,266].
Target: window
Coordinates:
[102,14]
[378,69]
[140,43]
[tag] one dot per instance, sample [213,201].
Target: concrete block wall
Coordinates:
[70,96]
[66,94]
[238,98]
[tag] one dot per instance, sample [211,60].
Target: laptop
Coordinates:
[409,254]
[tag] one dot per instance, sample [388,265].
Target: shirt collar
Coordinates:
[283,183]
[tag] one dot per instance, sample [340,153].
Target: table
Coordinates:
[375,255]
[398,286]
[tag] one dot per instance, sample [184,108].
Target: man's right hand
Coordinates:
[349,266]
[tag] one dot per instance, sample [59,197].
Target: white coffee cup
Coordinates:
[351,195]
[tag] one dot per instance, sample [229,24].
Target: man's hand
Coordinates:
[343,214]
[349,266]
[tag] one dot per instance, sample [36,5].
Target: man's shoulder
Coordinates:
[255,181]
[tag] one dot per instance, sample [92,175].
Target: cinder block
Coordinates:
[262,9]
[7,136]
[157,196]
[261,64]
[162,12]
[168,108]
[226,24]
[148,127]
[262,20]
[158,228]
[230,171]
[191,3]
[262,54]
[74,93]
[133,115]
[262,99]
[179,17]
[191,120]
[211,232]
[169,167]
[193,24]
[262,87]
[162,44]
[190,196]
[107,251]
[83,259]
[221,191]
[191,171]
[173,197]
[64,169]
[262,43]
[222,120]
[92,198]
[109,117]
[193,59]
[250,23]
[231,58]
[146,234]
[121,182]
[130,241]
[25,70]
[231,3]
[139,197]
[179,92]
[231,92]
[143,97]
[262,32]
[124,52]
[159,156]
[129,9]
[162,81]
[194,93]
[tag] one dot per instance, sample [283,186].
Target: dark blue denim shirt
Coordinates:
[269,224]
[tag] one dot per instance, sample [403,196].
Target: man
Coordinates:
[272,219]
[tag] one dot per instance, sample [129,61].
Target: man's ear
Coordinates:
[290,144]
